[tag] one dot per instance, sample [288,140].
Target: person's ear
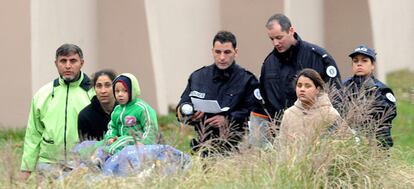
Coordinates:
[373,66]
[292,30]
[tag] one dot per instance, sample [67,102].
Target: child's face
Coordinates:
[306,91]
[121,93]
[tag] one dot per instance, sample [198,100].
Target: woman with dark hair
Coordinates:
[93,119]
[373,101]
[312,114]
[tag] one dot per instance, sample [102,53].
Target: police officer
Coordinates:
[290,55]
[371,97]
[231,86]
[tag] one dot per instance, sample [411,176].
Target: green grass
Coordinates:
[11,134]
[402,83]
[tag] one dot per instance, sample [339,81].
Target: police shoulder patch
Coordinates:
[331,71]
[257,94]
[390,97]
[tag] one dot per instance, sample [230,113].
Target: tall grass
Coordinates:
[328,164]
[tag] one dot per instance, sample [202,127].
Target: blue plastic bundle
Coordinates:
[145,160]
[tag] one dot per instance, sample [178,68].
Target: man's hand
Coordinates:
[216,121]
[197,116]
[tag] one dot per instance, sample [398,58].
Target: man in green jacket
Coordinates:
[52,126]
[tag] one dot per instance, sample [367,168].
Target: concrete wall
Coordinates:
[16,67]
[124,43]
[247,19]
[345,29]
[307,18]
[393,31]
[55,22]
[180,34]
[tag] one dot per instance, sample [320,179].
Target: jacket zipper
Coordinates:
[122,123]
[66,121]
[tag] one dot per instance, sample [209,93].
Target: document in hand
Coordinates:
[207,106]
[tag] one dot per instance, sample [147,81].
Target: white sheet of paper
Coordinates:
[207,106]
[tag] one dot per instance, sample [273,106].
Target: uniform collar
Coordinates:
[291,52]
[366,82]
[219,74]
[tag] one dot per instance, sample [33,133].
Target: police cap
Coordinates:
[364,50]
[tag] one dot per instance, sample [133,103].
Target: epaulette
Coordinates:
[200,68]
[248,72]
[268,55]
[320,52]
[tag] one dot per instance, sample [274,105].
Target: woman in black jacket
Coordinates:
[93,119]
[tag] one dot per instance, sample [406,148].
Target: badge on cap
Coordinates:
[331,71]
[257,94]
[390,97]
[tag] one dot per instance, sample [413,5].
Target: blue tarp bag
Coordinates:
[146,159]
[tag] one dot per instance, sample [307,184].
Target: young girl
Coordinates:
[312,114]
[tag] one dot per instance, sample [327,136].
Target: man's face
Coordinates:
[69,66]
[281,40]
[224,54]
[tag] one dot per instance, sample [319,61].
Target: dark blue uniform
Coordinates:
[279,73]
[377,105]
[232,88]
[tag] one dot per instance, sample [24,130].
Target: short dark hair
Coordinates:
[224,37]
[110,73]
[283,21]
[67,49]
[312,75]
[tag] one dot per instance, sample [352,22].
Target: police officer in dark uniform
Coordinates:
[231,86]
[290,55]
[372,98]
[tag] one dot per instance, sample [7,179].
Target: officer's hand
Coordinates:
[197,116]
[216,121]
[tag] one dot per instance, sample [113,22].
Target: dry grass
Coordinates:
[327,164]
